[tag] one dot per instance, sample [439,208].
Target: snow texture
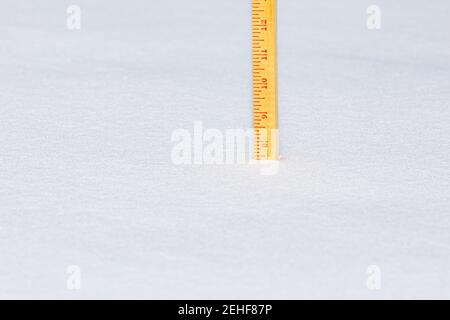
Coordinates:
[86,176]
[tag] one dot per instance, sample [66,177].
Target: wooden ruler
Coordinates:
[265,114]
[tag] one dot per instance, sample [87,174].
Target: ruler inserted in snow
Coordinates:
[264,41]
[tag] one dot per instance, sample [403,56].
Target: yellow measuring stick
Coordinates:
[265,114]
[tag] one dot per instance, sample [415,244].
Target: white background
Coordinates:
[86,176]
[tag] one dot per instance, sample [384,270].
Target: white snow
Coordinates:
[86,176]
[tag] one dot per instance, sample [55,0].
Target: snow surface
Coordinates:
[86,176]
